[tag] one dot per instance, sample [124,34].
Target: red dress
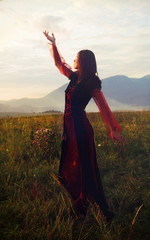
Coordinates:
[78,170]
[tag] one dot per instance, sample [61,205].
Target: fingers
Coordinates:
[46,34]
[121,139]
[50,38]
[114,141]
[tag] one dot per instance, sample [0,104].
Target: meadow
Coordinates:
[35,206]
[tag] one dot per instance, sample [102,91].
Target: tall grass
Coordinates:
[35,206]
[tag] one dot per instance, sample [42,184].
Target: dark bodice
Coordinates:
[79,94]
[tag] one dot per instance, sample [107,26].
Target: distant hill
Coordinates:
[121,92]
[132,91]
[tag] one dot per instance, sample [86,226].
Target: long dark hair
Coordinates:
[87,64]
[87,69]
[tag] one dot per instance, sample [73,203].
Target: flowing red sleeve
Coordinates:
[59,61]
[105,112]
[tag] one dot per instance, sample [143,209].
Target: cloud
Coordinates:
[48,22]
[117,31]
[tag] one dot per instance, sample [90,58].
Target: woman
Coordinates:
[78,170]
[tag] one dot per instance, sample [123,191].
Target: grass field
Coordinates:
[35,207]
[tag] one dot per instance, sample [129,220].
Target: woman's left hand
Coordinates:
[117,136]
[52,38]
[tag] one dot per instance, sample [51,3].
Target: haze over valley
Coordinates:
[122,93]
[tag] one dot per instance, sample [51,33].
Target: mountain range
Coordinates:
[121,92]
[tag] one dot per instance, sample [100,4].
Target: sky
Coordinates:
[117,31]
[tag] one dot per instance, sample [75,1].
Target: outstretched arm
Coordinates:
[107,116]
[63,67]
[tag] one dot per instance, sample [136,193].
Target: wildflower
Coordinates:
[44,140]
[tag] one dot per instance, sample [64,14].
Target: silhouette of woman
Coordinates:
[78,170]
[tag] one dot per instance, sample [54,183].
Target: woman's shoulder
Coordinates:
[74,76]
[97,82]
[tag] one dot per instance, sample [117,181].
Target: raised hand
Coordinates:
[51,39]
